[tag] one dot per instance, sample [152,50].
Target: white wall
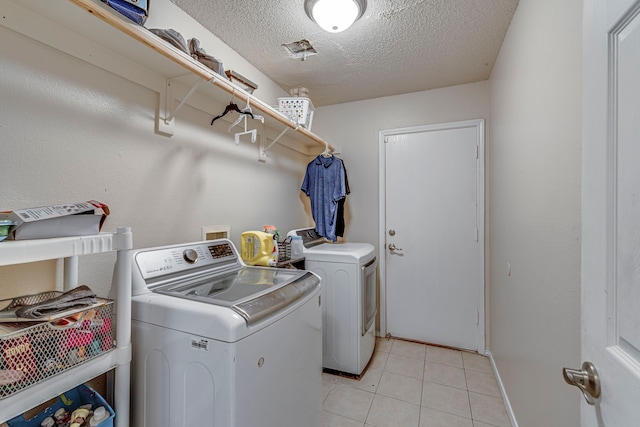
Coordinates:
[534,151]
[72,132]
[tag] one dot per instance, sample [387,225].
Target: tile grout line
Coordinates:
[464,367]
[424,371]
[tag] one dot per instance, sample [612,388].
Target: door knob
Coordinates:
[393,247]
[586,379]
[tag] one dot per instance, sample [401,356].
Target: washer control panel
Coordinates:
[157,262]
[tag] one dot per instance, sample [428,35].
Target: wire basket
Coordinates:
[33,351]
[299,109]
[284,251]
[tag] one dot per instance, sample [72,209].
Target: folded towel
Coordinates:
[173,37]
[79,297]
[203,57]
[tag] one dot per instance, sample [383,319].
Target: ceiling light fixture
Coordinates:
[335,15]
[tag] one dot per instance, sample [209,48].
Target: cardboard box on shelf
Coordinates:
[71,219]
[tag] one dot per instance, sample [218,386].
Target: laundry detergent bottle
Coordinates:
[259,248]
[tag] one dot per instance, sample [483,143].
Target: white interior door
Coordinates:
[611,209]
[433,234]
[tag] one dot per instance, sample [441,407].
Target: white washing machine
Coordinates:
[217,343]
[348,273]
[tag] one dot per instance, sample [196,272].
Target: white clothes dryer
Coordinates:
[217,343]
[348,274]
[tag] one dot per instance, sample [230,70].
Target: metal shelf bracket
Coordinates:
[167,111]
[264,150]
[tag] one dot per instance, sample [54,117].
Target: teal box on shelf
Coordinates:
[70,400]
[5,225]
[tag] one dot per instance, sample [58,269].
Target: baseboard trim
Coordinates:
[507,404]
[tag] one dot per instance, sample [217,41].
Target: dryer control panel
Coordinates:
[310,236]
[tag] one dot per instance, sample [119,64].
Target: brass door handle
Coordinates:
[586,379]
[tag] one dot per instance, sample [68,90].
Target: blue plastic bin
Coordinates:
[70,400]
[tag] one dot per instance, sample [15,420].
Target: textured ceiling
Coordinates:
[398,46]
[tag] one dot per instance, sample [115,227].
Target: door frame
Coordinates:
[478,124]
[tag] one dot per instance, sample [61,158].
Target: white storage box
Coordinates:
[299,109]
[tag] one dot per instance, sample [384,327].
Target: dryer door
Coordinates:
[369,301]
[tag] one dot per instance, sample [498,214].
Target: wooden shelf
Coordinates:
[93,32]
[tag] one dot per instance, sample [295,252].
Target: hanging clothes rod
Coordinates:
[144,36]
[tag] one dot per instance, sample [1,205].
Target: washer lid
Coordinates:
[316,248]
[348,253]
[253,292]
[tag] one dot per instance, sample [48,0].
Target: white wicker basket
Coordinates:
[299,109]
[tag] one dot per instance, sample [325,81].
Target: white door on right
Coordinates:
[434,245]
[611,210]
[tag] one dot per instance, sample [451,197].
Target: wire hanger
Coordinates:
[326,152]
[243,116]
[252,132]
[231,107]
[246,111]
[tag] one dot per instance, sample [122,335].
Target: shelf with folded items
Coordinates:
[93,32]
[38,380]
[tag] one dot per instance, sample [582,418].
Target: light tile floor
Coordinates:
[408,384]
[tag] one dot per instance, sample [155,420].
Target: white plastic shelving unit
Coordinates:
[69,249]
[93,32]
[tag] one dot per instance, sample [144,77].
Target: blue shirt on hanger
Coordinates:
[324,183]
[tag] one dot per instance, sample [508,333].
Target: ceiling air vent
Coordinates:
[300,49]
